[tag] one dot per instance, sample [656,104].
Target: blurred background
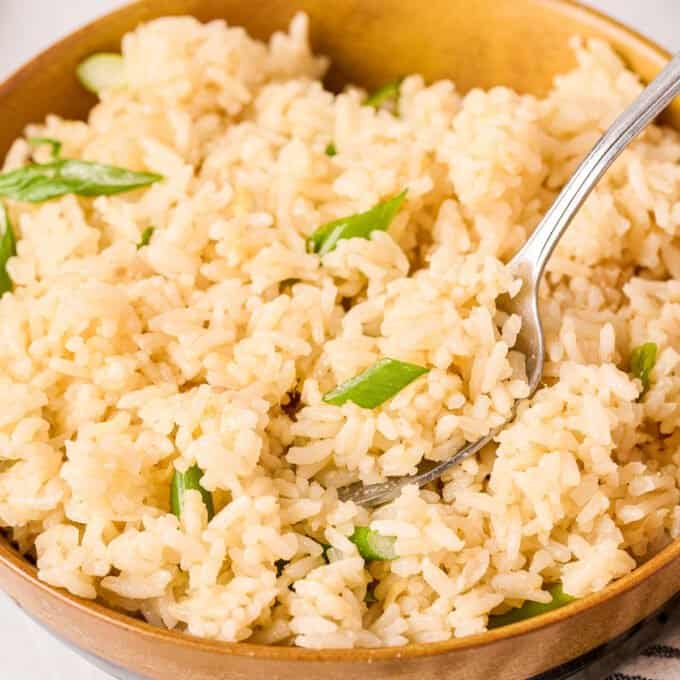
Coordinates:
[29,26]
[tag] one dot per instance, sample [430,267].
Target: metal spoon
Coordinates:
[529,263]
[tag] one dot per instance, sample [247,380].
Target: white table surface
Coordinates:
[28,26]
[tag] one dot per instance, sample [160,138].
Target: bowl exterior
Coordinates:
[519,43]
[515,653]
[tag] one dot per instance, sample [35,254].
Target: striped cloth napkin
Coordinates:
[649,651]
[660,661]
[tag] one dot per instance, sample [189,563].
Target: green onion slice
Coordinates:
[187,481]
[55,144]
[101,71]
[146,237]
[376,384]
[8,248]
[361,225]
[372,545]
[390,90]
[642,361]
[331,150]
[39,182]
[530,609]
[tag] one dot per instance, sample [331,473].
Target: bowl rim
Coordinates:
[11,559]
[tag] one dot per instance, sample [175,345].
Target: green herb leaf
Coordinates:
[47,141]
[372,545]
[331,150]
[40,182]
[530,609]
[187,481]
[390,90]
[146,237]
[8,248]
[361,225]
[642,361]
[101,71]
[376,384]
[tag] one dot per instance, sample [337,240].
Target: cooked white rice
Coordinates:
[120,365]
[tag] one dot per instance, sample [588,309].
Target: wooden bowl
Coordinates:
[519,43]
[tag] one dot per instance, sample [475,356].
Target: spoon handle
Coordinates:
[650,103]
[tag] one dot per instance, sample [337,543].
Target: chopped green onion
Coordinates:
[8,248]
[390,90]
[530,609]
[372,545]
[146,237]
[39,182]
[187,481]
[642,361]
[47,141]
[101,71]
[331,150]
[376,384]
[360,225]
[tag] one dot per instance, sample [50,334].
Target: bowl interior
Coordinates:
[522,44]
